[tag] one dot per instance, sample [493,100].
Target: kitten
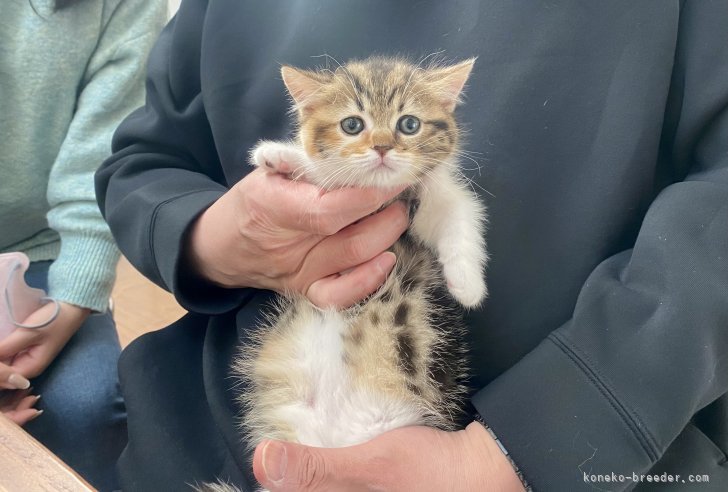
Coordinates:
[338,378]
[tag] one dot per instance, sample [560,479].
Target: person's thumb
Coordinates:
[284,466]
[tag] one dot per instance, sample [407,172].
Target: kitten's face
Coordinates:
[379,122]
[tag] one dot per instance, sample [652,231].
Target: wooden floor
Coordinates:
[139,305]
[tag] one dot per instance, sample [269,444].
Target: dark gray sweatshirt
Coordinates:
[602,133]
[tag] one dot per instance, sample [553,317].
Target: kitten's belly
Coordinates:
[333,410]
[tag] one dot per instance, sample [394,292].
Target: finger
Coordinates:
[11,379]
[339,208]
[9,399]
[19,340]
[342,291]
[22,417]
[305,207]
[27,402]
[35,349]
[280,466]
[32,362]
[355,245]
[22,338]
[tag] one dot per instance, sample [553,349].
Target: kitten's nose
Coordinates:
[382,149]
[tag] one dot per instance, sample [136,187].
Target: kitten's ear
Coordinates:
[450,81]
[302,85]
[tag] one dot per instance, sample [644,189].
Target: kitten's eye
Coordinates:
[409,125]
[352,125]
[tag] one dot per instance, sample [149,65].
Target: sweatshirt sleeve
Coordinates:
[164,171]
[113,86]
[646,346]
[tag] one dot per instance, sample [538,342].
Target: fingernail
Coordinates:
[386,262]
[275,461]
[37,414]
[18,382]
[36,399]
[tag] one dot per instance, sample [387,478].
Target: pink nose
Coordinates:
[382,149]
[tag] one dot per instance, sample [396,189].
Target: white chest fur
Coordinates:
[333,412]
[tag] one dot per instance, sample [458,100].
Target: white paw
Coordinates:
[276,157]
[465,282]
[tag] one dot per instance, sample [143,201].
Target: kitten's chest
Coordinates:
[345,379]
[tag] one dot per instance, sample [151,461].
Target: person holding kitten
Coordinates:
[601,130]
[71,71]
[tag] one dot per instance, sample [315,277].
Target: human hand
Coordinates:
[418,459]
[269,232]
[28,351]
[17,405]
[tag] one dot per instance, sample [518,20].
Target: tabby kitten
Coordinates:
[331,378]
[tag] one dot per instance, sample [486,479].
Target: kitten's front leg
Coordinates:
[451,219]
[279,157]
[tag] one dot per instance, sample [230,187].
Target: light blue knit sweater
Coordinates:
[67,79]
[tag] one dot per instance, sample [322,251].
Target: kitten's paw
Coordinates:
[277,157]
[465,283]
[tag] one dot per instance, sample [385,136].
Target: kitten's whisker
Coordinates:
[340,167]
[352,95]
[472,152]
[423,91]
[433,62]
[348,74]
[471,182]
[468,157]
[455,162]
[419,145]
[417,68]
[407,84]
[334,177]
[330,180]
